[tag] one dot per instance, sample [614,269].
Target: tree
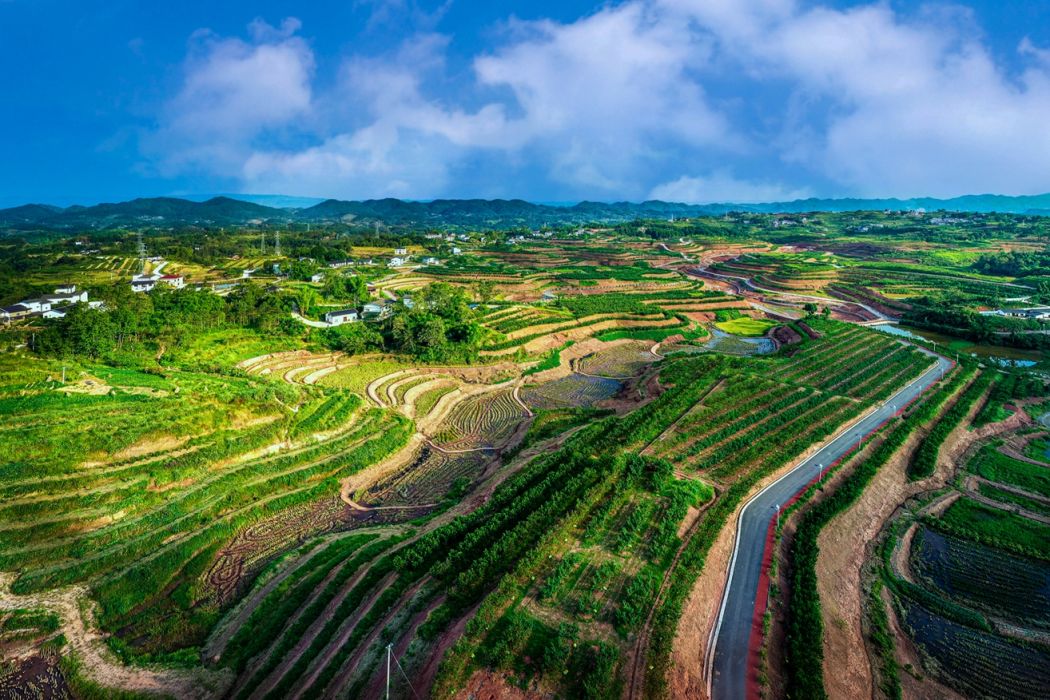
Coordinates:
[353,338]
[82,331]
[302,269]
[484,290]
[349,287]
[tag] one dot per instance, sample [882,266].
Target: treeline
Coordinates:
[934,315]
[131,322]
[1014,263]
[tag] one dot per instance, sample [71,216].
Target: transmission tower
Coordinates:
[262,243]
[277,244]
[141,247]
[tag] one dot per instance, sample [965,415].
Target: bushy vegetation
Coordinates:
[995,528]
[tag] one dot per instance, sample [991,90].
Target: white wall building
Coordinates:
[338,318]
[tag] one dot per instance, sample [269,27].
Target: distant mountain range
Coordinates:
[236,210]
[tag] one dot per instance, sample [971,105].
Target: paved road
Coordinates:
[730,665]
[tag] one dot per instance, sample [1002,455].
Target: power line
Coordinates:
[390,656]
[407,681]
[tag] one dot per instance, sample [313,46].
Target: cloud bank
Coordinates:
[690,100]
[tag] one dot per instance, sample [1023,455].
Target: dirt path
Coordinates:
[97,662]
[517,397]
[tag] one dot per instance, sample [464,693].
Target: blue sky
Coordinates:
[688,100]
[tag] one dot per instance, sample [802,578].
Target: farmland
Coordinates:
[969,572]
[520,466]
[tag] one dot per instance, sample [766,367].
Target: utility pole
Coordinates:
[389,652]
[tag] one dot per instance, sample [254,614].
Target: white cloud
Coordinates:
[908,106]
[233,91]
[721,187]
[695,100]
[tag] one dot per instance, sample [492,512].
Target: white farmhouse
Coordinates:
[39,304]
[143,284]
[338,318]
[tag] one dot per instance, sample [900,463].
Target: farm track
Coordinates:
[97,662]
[729,653]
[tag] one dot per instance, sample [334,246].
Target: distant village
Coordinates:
[56,305]
[48,305]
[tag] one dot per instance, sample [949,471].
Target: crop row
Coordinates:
[924,462]
[975,662]
[994,527]
[575,390]
[617,362]
[188,529]
[332,412]
[993,465]
[487,419]
[984,577]
[427,480]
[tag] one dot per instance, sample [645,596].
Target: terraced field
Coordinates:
[977,663]
[999,583]
[975,590]
[618,362]
[574,390]
[216,475]
[484,421]
[428,480]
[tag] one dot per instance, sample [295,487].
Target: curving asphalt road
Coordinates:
[731,667]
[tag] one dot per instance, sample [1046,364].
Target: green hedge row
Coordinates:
[925,460]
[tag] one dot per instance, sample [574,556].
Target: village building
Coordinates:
[15,312]
[338,318]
